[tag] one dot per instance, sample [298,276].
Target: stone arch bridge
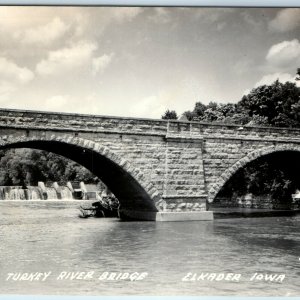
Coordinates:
[158,169]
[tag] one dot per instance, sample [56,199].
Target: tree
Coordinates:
[170,115]
[197,113]
[298,74]
[189,115]
[278,103]
[211,115]
[218,112]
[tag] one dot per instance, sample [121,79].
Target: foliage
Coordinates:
[170,115]
[27,167]
[279,103]
[262,177]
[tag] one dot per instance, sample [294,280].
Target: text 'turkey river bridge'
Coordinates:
[158,169]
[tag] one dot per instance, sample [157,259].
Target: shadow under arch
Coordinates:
[127,183]
[222,180]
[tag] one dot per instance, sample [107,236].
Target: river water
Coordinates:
[48,236]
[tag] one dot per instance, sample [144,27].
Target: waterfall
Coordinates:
[65,193]
[40,192]
[34,193]
[12,193]
[51,193]
[17,194]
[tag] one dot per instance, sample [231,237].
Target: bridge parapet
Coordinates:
[231,131]
[80,122]
[109,124]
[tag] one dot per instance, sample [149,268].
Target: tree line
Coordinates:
[23,167]
[277,104]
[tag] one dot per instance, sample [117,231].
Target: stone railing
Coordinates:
[232,131]
[80,122]
[172,128]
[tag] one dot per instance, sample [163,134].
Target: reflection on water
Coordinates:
[48,236]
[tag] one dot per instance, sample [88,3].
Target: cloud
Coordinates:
[25,17]
[211,14]
[6,88]
[160,15]
[67,58]
[45,34]
[11,71]
[12,76]
[270,78]
[284,54]
[253,20]
[281,59]
[286,20]
[246,92]
[122,14]
[14,17]
[149,107]
[154,106]
[56,103]
[101,63]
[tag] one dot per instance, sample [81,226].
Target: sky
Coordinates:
[141,61]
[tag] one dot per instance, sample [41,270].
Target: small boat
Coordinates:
[106,207]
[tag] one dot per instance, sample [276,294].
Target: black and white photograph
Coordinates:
[149,151]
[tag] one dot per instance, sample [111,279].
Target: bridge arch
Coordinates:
[221,181]
[128,183]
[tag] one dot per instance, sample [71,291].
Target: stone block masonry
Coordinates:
[152,166]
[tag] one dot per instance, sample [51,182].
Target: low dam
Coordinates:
[43,192]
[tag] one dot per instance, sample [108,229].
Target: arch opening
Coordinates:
[132,195]
[267,181]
